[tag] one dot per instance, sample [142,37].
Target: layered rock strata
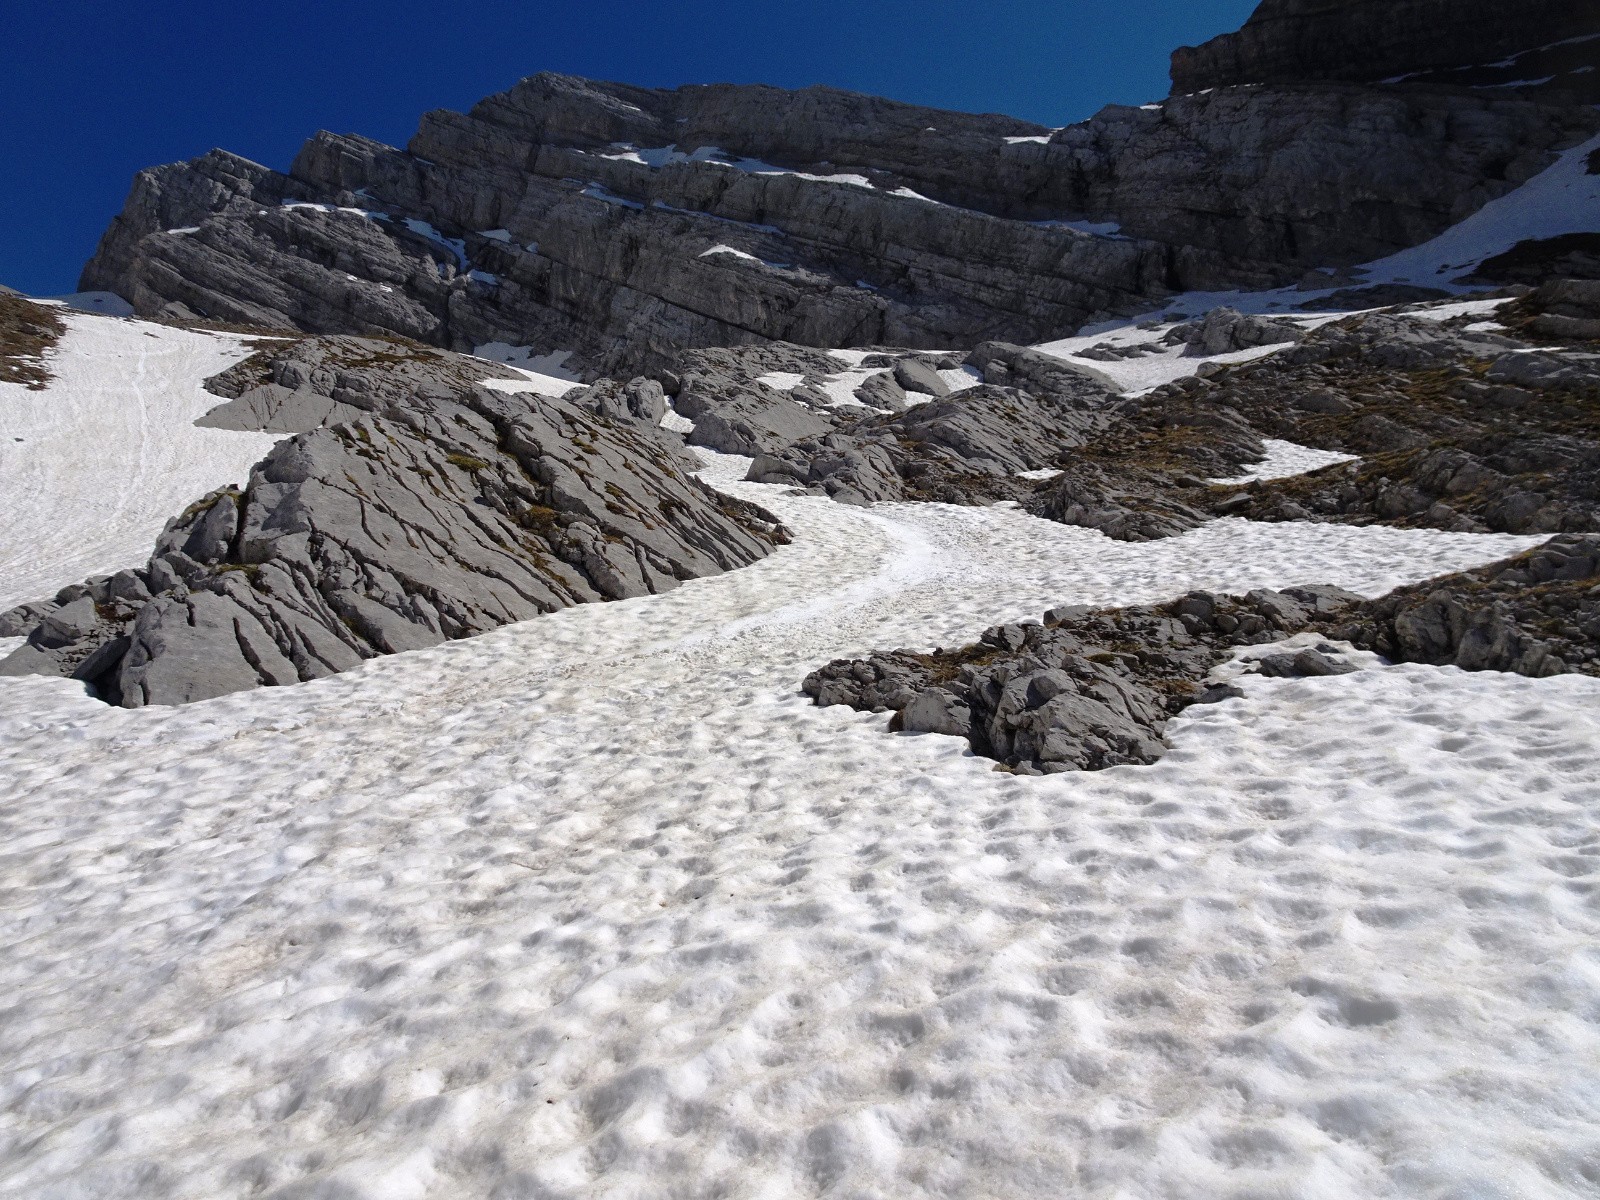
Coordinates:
[1374,40]
[626,224]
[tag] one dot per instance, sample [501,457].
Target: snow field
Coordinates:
[1286,459]
[840,387]
[1136,376]
[598,905]
[542,374]
[93,466]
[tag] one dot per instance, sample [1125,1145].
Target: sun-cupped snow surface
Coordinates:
[1286,459]
[599,906]
[93,466]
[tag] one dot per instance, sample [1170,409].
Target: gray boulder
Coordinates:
[915,375]
[1226,331]
[882,391]
[934,710]
[1306,663]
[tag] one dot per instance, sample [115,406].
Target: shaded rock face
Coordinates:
[557,214]
[1569,256]
[1086,690]
[1372,40]
[442,511]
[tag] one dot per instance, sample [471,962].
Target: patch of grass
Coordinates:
[27,332]
[466,462]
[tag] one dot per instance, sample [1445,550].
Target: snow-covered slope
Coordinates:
[1563,199]
[599,906]
[93,466]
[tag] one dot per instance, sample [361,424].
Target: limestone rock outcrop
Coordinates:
[1090,689]
[971,447]
[434,509]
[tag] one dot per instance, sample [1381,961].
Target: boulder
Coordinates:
[914,375]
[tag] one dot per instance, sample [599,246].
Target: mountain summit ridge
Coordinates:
[599,218]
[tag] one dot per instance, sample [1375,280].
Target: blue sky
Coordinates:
[94,90]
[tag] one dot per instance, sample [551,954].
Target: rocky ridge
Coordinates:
[1090,689]
[1455,423]
[432,507]
[1470,431]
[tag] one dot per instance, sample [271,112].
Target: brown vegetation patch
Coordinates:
[27,332]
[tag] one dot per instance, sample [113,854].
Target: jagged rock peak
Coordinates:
[1287,41]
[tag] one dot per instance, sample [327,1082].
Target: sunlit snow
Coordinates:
[598,904]
[93,466]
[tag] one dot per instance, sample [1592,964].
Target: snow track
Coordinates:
[93,466]
[599,906]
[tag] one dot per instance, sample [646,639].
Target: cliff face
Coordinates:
[626,224]
[1373,40]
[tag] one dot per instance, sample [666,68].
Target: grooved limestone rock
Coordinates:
[442,509]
